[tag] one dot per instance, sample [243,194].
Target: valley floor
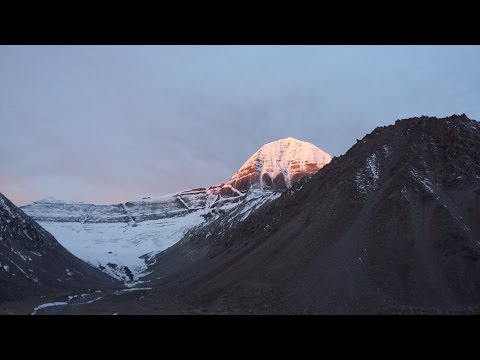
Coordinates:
[144,301]
[128,301]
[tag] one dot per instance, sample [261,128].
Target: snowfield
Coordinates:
[118,243]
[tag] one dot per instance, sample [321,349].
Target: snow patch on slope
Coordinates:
[386,151]
[6,207]
[424,181]
[367,176]
[43,306]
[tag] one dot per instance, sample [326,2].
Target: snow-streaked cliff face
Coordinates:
[279,164]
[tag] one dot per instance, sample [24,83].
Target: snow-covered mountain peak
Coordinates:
[278,164]
[120,238]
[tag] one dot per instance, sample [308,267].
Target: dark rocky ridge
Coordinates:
[32,262]
[392,224]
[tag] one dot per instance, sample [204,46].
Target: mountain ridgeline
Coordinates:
[393,225]
[125,236]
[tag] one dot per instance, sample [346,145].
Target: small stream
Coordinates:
[53,308]
[50,308]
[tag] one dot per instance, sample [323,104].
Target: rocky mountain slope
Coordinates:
[392,225]
[32,262]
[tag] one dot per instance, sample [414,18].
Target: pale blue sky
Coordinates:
[106,124]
